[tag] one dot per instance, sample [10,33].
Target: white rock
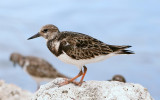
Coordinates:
[92,90]
[12,92]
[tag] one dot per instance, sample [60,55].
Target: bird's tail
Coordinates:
[121,49]
[125,52]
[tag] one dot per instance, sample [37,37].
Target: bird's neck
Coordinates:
[22,62]
[53,37]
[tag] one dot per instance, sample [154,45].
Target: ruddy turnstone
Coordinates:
[39,69]
[77,48]
[119,78]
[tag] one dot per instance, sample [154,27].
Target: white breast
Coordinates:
[80,63]
[26,64]
[56,45]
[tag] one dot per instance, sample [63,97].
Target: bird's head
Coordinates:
[119,78]
[15,58]
[48,31]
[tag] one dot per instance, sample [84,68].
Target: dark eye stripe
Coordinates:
[45,30]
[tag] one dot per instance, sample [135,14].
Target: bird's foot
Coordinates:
[78,83]
[67,81]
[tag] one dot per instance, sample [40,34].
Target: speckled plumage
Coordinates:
[77,48]
[36,67]
[80,46]
[40,68]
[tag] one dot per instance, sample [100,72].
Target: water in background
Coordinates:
[135,23]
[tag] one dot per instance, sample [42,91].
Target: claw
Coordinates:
[79,83]
[67,81]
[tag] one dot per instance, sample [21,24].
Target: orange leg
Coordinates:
[81,81]
[80,74]
[71,80]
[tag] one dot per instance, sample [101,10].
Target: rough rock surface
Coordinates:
[12,92]
[92,90]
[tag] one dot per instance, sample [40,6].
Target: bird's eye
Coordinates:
[45,30]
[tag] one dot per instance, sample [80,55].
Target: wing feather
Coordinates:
[81,46]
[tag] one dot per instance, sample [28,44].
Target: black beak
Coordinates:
[34,36]
[14,64]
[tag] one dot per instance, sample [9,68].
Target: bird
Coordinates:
[119,78]
[78,49]
[39,69]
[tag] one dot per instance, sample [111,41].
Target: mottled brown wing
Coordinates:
[41,68]
[81,46]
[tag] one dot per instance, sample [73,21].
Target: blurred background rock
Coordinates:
[119,22]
